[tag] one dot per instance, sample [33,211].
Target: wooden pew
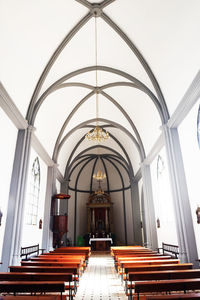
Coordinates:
[17,297]
[187,296]
[20,276]
[77,250]
[132,259]
[166,286]
[156,268]
[51,263]
[160,275]
[130,268]
[125,264]
[45,269]
[31,287]
[121,261]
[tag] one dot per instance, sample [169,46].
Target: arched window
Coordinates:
[198,126]
[33,194]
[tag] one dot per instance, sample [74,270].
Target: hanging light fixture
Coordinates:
[97,134]
[99,176]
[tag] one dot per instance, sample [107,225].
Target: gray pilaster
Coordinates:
[135,200]
[16,201]
[184,223]
[151,232]
[47,224]
[64,203]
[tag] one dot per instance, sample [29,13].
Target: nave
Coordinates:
[100,280]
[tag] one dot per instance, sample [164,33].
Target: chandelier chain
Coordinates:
[96,58]
[97,134]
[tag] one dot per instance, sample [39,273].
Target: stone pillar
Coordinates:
[183,216]
[16,201]
[135,201]
[151,232]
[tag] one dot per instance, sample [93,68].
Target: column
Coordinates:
[47,235]
[93,220]
[16,201]
[64,203]
[183,216]
[150,222]
[106,219]
[135,200]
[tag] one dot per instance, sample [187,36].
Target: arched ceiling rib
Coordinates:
[70,163]
[85,160]
[161,109]
[82,125]
[137,40]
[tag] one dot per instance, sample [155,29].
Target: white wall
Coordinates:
[33,231]
[163,203]
[8,137]
[191,159]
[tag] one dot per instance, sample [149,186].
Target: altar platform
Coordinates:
[100,244]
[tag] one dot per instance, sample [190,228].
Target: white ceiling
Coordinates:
[166,33]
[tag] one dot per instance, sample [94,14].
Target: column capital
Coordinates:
[31,128]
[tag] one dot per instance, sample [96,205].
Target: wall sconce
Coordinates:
[40,224]
[198,214]
[1,215]
[158,223]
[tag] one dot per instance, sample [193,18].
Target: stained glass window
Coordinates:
[33,194]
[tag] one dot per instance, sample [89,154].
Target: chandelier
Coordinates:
[99,176]
[97,134]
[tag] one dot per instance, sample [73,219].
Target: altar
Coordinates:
[100,244]
[100,220]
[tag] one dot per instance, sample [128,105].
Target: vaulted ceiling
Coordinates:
[148,54]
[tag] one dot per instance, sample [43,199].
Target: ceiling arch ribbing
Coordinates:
[138,84]
[85,124]
[63,44]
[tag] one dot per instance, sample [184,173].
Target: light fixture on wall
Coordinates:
[97,134]
[198,214]
[158,223]
[40,224]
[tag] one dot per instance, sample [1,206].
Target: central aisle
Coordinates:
[100,280]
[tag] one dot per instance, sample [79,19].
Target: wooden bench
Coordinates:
[31,287]
[143,258]
[166,286]
[26,297]
[45,269]
[27,251]
[175,296]
[160,275]
[51,263]
[130,268]
[172,249]
[20,276]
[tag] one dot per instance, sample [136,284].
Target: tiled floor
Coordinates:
[100,280]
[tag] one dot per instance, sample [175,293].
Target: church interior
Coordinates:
[100,130]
